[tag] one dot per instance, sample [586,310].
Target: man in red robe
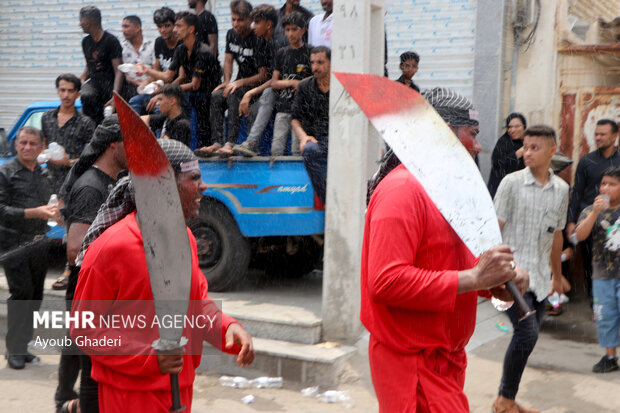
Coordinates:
[419,283]
[114,270]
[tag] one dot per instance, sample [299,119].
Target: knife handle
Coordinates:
[524,309]
[176,407]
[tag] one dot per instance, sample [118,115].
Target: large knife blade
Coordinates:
[164,233]
[426,145]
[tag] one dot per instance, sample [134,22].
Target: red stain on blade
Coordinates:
[378,95]
[144,155]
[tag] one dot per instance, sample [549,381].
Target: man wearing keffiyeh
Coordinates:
[114,269]
[419,282]
[90,180]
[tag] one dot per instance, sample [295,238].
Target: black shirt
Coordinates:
[163,53]
[206,25]
[99,56]
[73,136]
[412,85]
[278,34]
[21,188]
[292,64]
[249,52]
[201,63]
[178,128]
[270,54]
[311,108]
[88,193]
[587,181]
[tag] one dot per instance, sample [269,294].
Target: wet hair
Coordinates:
[189,18]
[241,8]
[614,125]
[30,130]
[516,115]
[322,49]
[295,18]
[613,171]
[92,14]
[541,131]
[71,78]
[173,90]
[409,56]
[163,15]
[265,12]
[133,19]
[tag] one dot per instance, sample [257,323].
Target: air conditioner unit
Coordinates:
[523,12]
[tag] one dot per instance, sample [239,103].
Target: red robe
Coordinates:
[418,323]
[114,269]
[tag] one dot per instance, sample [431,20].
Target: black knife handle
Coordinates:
[524,309]
[176,394]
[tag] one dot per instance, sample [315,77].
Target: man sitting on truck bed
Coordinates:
[198,72]
[250,53]
[171,120]
[310,121]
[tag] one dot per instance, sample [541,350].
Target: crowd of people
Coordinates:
[283,60]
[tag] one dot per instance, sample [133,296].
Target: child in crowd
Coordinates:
[291,65]
[409,62]
[602,220]
[258,113]
[249,51]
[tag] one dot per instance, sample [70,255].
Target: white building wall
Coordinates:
[40,39]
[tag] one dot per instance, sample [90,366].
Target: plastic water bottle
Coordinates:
[151,87]
[249,399]
[53,201]
[267,382]
[573,239]
[236,382]
[125,67]
[501,305]
[554,300]
[55,151]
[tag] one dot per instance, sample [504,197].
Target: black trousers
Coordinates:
[219,104]
[202,103]
[94,94]
[69,366]
[71,362]
[89,389]
[25,274]
[524,339]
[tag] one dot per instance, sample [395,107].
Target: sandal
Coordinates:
[71,406]
[225,151]
[556,311]
[61,283]
[207,151]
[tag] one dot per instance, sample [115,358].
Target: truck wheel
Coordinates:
[223,252]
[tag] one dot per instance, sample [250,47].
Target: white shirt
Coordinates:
[145,54]
[531,214]
[320,30]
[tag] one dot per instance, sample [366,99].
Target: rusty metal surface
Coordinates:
[580,110]
[612,49]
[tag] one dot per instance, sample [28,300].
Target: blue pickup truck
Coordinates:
[261,210]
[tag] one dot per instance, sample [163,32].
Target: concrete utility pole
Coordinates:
[354,146]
